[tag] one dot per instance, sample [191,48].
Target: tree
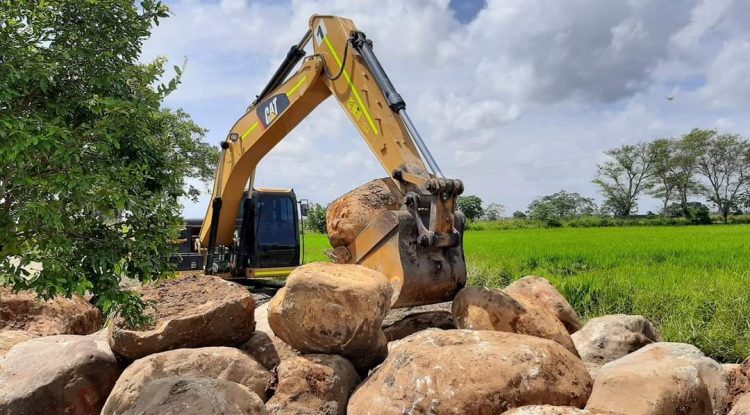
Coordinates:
[316,218]
[471,206]
[519,215]
[725,164]
[623,178]
[684,165]
[562,205]
[663,181]
[494,211]
[546,213]
[91,167]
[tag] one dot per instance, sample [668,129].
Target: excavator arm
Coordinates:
[418,247]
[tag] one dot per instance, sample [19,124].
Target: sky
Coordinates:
[517,98]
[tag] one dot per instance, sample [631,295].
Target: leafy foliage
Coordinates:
[91,167]
[624,177]
[725,164]
[551,209]
[471,206]
[697,212]
[316,218]
[494,211]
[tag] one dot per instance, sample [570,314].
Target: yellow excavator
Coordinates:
[250,233]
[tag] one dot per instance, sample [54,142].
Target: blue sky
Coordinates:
[518,98]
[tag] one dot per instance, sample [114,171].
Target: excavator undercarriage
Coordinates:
[418,246]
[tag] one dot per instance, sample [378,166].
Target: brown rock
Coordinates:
[191,311]
[413,323]
[739,382]
[60,315]
[539,291]
[196,396]
[471,372]
[221,363]
[348,215]
[334,309]
[661,379]
[479,308]
[313,384]
[268,349]
[10,338]
[57,374]
[608,338]
[551,410]
[741,405]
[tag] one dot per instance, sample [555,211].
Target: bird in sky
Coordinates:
[670,98]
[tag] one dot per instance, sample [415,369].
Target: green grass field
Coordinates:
[693,282]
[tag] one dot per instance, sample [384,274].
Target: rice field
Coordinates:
[693,282]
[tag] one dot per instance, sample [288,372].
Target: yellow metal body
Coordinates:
[418,275]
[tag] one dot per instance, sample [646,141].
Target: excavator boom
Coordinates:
[418,247]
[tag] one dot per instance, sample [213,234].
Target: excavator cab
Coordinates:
[267,234]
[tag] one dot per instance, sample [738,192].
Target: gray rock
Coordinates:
[220,363]
[196,396]
[57,374]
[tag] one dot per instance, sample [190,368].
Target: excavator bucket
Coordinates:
[419,275]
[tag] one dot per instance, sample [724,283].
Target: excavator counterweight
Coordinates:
[418,246]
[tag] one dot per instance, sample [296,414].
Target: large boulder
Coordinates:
[196,396]
[221,363]
[348,215]
[471,372]
[57,374]
[60,315]
[334,309]
[661,379]
[741,405]
[268,349]
[550,410]
[480,308]
[739,382]
[10,338]
[416,322]
[608,338]
[539,291]
[191,311]
[313,384]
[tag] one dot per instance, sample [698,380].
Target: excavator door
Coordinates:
[267,235]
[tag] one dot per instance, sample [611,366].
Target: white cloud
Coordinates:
[729,75]
[519,102]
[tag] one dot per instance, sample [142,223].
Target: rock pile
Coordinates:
[57,374]
[24,311]
[193,311]
[739,388]
[335,309]
[185,395]
[471,372]
[661,379]
[219,363]
[323,346]
[478,308]
[540,292]
[608,338]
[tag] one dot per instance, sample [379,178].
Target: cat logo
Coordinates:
[270,109]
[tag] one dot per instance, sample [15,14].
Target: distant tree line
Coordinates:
[701,163]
